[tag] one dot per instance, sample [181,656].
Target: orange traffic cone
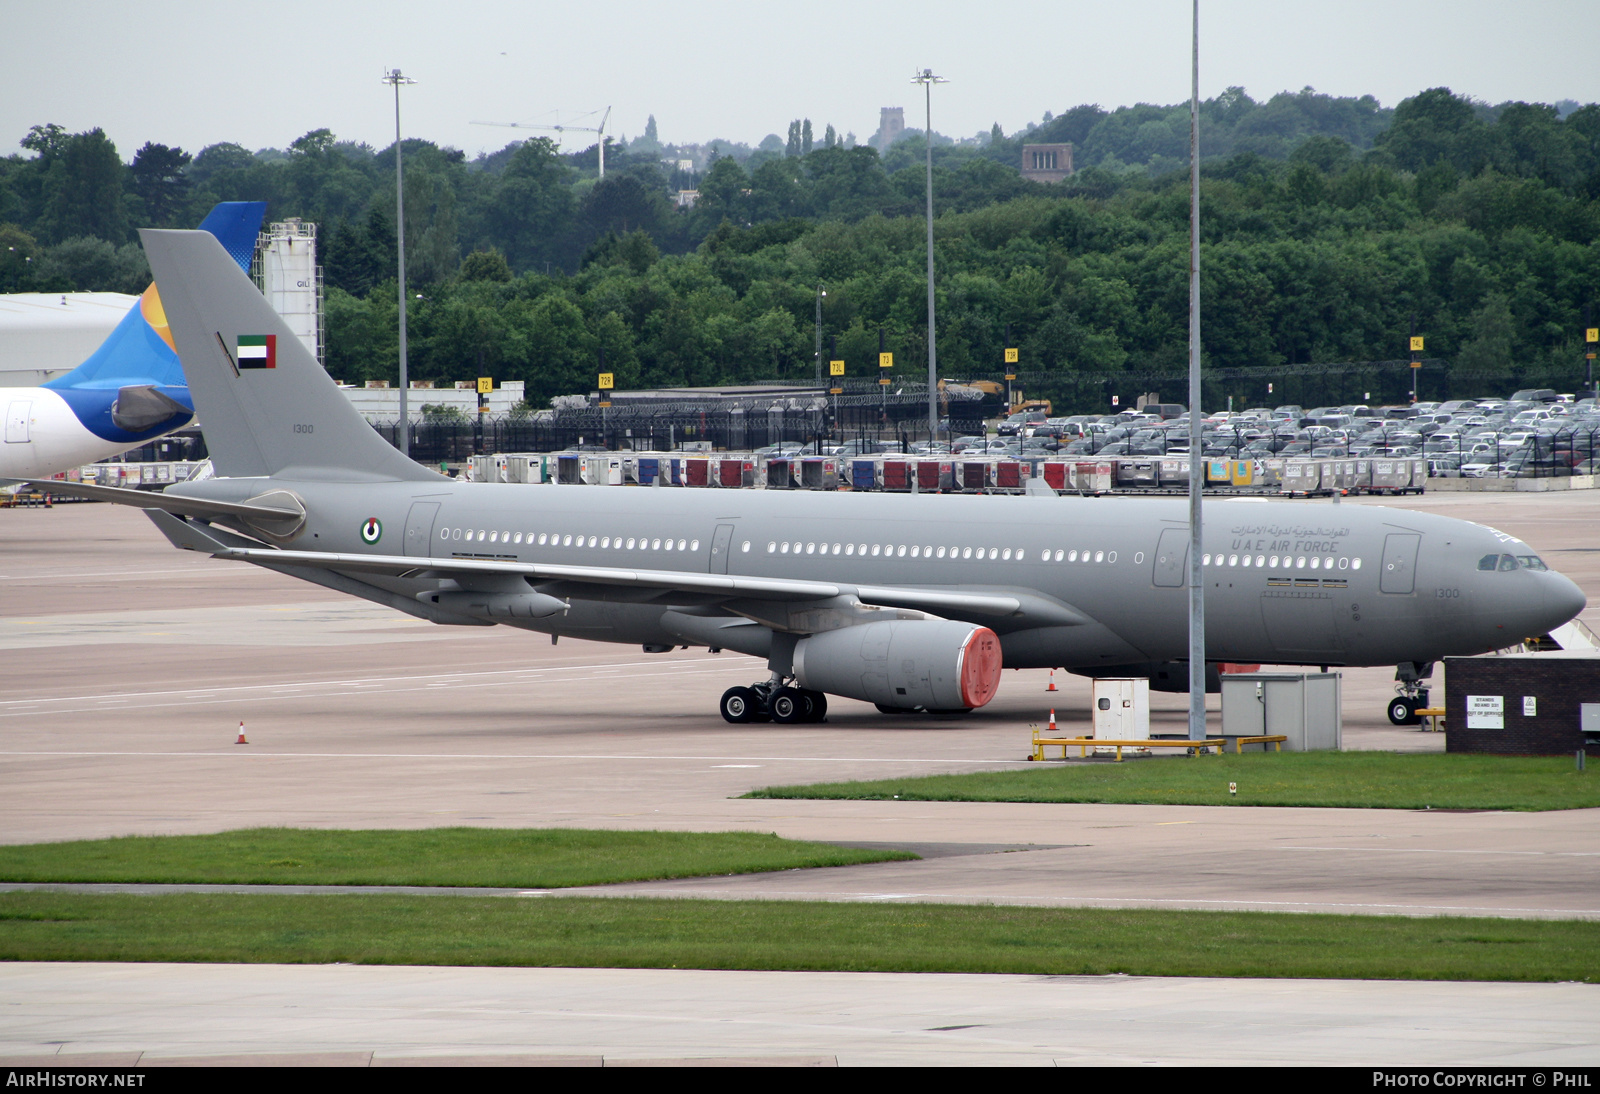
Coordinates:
[1052,686]
[241,740]
[1052,722]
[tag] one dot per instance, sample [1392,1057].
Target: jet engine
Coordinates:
[928,664]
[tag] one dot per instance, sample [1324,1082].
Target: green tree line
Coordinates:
[1328,224]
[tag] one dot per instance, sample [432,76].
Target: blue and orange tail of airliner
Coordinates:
[132,388]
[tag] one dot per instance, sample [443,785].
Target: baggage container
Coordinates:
[569,470]
[1092,477]
[514,469]
[1138,473]
[1419,473]
[780,473]
[697,472]
[739,472]
[864,474]
[1056,475]
[974,475]
[1390,476]
[895,475]
[1219,472]
[819,473]
[1172,471]
[1010,475]
[933,476]
[1302,476]
[602,470]
[1243,473]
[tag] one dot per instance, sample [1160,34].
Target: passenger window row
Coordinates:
[557,539]
[902,550]
[1287,562]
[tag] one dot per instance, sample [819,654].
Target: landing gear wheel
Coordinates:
[884,709]
[1403,711]
[740,705]
[790,705]
[819,705]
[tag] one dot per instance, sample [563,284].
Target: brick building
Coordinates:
[1529,703]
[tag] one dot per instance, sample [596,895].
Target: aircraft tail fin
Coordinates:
[140,350]
[236,224]
[267,407]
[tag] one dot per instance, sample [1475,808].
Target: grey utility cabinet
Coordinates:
[1304,707]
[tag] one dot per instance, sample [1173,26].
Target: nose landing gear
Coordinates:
[772,700]
[1411,694]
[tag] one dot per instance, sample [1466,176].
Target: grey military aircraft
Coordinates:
[910,602]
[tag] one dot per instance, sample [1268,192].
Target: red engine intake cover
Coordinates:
[980,667]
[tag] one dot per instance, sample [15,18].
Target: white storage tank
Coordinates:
[291,280]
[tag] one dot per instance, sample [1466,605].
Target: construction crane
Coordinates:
[598,130]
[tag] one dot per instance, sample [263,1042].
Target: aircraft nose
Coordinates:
[1563,600]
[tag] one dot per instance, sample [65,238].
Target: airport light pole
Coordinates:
[396,80]
[927,79]
[821,292]
[1197,465]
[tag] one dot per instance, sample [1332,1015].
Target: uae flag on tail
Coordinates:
[258,351]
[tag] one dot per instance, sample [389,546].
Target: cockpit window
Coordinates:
[1507,563]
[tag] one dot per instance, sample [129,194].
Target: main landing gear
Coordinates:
[775,701]
[1411,694]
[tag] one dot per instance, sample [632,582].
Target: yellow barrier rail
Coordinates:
[1083,744]
[1274,739]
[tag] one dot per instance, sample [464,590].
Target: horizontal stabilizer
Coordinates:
[169,503]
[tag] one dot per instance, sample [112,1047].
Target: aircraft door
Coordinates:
[17,421]
[1172,553]
[1399,563]
[419,528]
[721,544]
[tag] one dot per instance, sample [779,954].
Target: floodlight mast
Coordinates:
[394,78]
[598,130]
[1197,465]
[927,79]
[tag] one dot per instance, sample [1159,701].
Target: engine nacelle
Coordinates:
[932,664]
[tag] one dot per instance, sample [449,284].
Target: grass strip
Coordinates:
[526,858]
[777,935]
[1361,780]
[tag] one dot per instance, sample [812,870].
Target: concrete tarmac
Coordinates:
[149,1015]
[129,665]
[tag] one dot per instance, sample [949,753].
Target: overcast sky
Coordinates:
[190,73]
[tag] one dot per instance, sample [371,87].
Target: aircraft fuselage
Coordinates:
[1286,583]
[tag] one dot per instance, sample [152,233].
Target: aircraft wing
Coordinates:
[1036,609]
[730,585]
